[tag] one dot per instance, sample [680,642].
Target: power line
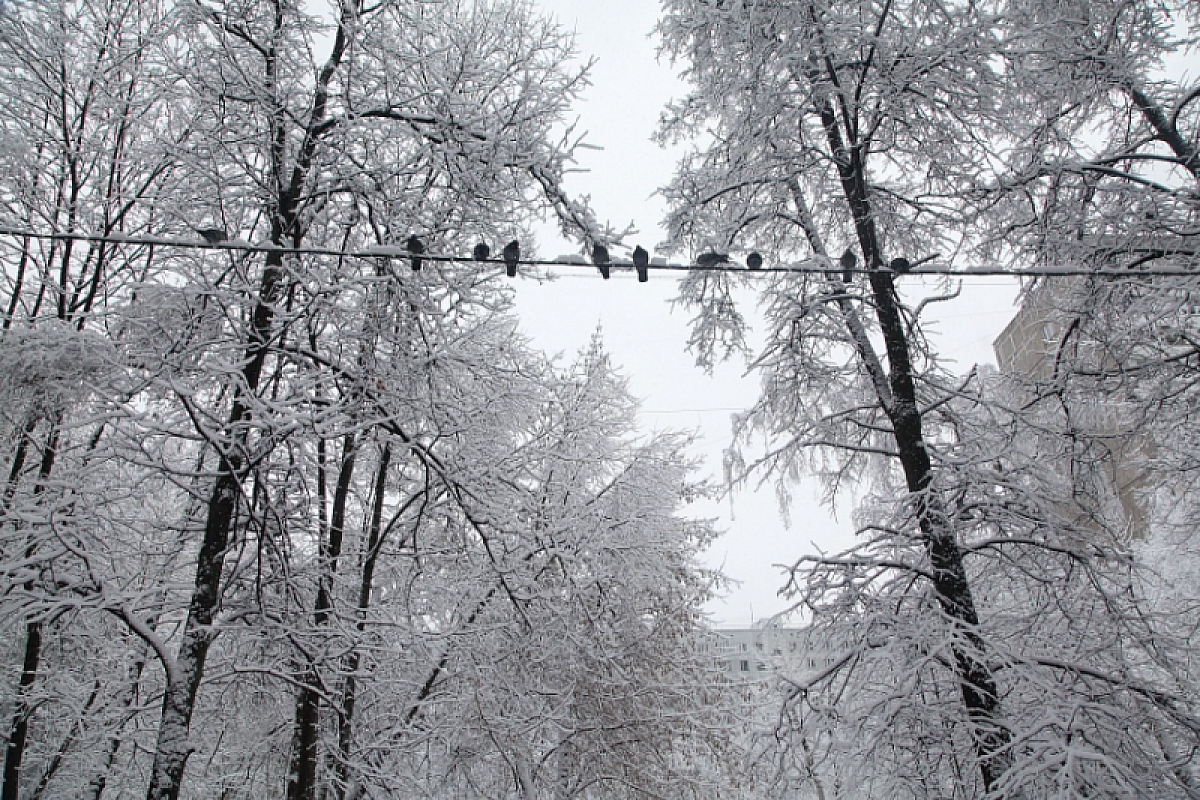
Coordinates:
[399,252]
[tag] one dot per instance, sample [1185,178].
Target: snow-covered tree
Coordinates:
[552,636]
[1001,647]
[1110,180]
[418,120]
[85,143]
[278,517]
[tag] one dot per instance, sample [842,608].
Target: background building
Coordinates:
[1044,337]
[758,651]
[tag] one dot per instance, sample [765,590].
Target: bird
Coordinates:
[712,259]
[481,252]
[641,259]
[754,261]
[900,265]
[848,260]
[512,254]
[212,235]
[416,247]
[600,259]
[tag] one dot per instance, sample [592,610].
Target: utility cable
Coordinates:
[400,252]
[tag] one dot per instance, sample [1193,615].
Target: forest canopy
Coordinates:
[296,509]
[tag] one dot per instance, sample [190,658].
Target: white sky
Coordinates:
[647,337]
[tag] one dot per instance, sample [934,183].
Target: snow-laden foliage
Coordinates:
[1003,643]
[307,524]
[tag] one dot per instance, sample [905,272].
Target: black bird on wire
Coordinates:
[754,261]
[416,247]
[712,259]
[481,252]
[641,260]
[212,235]
[900,265]
[848,260]
[512,254]
[600,259]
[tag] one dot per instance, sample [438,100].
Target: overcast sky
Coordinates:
[647,337]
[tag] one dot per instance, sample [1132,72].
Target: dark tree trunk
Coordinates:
[14,751]
[371,548]
[978,684]
[96,786]
[183,676]
[19,730]
[950,582]
[67,744]
[302,783]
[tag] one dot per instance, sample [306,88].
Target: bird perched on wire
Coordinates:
[481,252]
[416,247]
[212,235]
[641,260]
[848,260]
[712,259]
[600,259]
[900,265]
[754,261]
[512,254]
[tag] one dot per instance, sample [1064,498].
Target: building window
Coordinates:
[745,665]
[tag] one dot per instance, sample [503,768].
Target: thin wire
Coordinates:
[400,252]
[691,410]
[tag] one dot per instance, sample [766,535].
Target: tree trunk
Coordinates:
[950,582]
[183,677]
[96,786]
[953,589]
[19,730]
[14,751]
[302,783]
[371,549]
[172,749]
[67,744]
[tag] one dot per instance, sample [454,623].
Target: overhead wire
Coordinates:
[399,252]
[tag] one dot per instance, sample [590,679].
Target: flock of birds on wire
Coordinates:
[413,249]
[511,254]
